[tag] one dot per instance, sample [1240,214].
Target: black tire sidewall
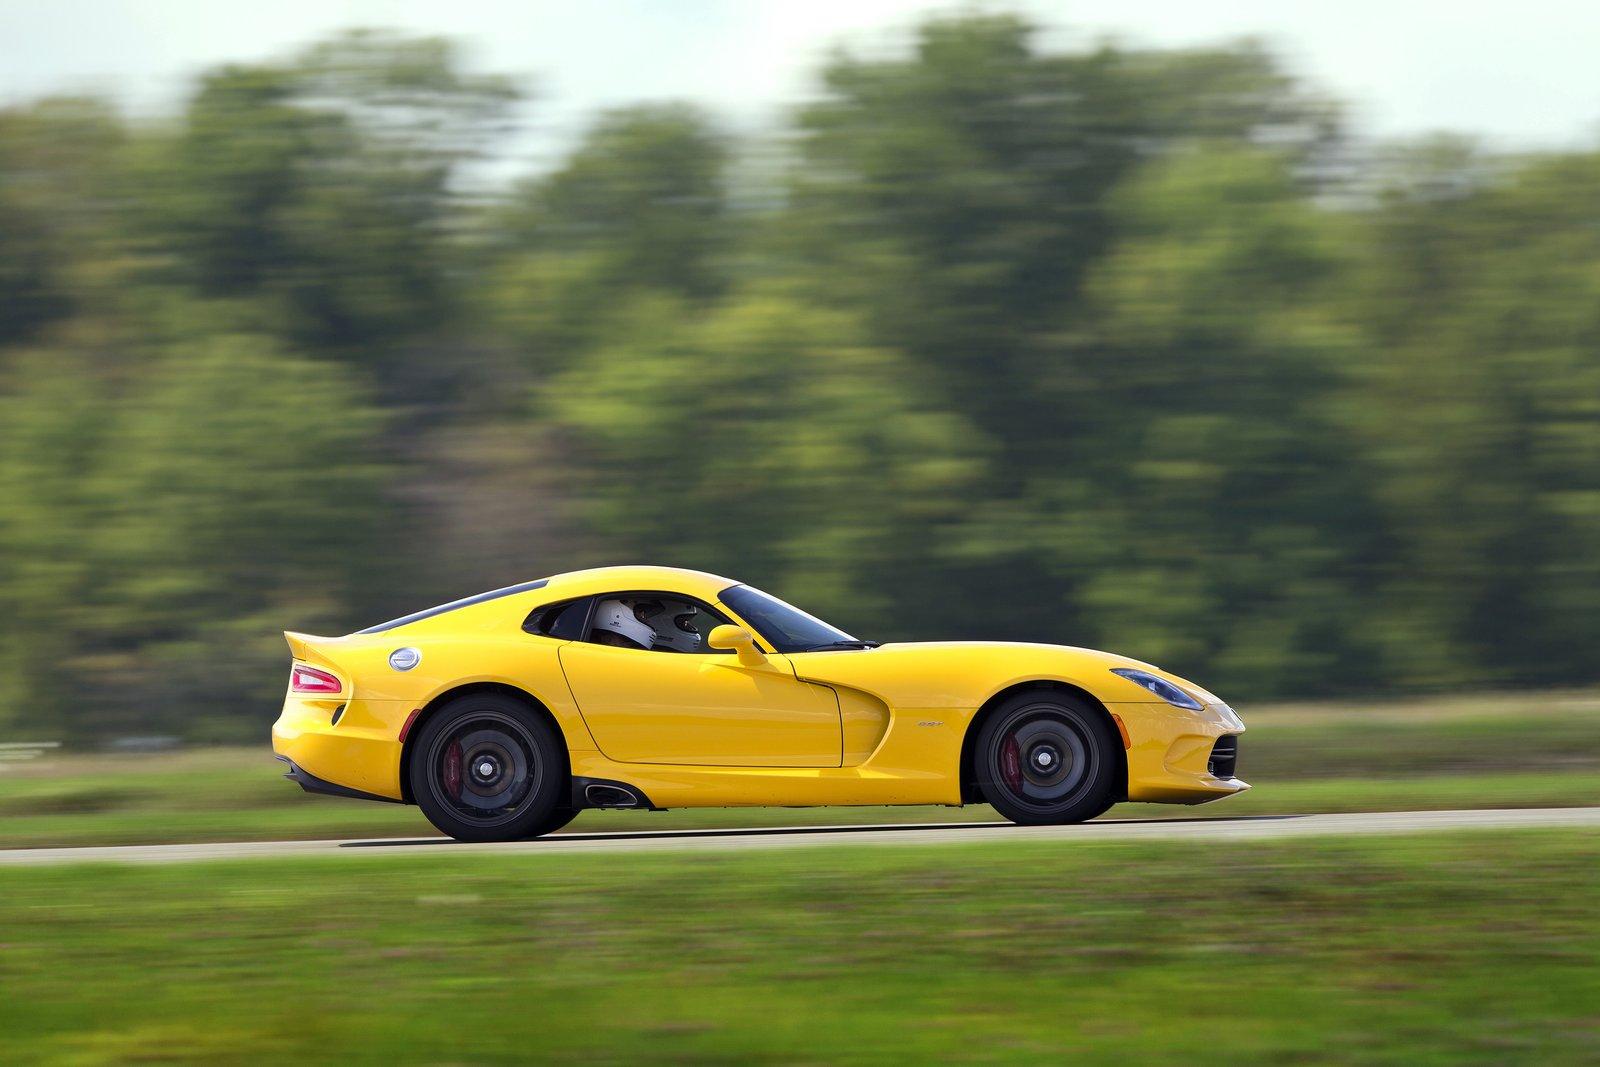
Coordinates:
[559,817]
[1092,801]
[550,750]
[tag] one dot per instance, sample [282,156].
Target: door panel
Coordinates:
[706,710]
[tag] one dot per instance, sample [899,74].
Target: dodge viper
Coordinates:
[505,714]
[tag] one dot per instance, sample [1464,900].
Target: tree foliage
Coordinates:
[1133,348]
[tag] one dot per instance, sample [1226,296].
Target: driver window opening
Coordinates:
[653,623]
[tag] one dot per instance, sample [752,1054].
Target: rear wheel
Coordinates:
[558,818]
[488,768]
[1045,757]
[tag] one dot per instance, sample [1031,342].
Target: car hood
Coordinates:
[949,674]
[982,650]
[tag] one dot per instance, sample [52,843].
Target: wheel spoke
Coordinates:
[1044,759]
[488,769]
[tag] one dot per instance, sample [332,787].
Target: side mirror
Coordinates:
[738,639]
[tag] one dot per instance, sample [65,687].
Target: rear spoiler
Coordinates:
[309,648]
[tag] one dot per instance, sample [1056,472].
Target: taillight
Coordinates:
[310,680]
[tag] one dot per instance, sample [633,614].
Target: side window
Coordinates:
[656,622]
[563,621]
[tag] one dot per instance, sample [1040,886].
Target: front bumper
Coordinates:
[1173,753]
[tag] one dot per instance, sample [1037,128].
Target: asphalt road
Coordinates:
[1258,827]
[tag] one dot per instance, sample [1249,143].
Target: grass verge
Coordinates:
[1473,945]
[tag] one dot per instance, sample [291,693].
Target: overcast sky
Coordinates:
[1520,74]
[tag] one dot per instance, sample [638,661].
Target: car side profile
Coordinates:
[505,714]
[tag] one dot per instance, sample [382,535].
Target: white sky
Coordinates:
[1522,75]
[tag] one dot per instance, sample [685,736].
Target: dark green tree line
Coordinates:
[1134,348]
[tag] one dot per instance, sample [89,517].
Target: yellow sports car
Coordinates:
[503,715]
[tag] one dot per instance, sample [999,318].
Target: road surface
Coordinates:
[1259,827]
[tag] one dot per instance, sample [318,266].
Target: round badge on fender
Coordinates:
[403,659]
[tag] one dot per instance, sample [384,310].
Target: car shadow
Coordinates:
[797,831]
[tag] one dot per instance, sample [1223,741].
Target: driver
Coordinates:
[676,630]
[616,624]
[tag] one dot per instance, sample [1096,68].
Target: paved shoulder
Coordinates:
[1254,827]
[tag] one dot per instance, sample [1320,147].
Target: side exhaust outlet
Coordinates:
[609,796]
[606,793]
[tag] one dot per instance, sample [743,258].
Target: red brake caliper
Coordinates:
[1011,764]
[452,770]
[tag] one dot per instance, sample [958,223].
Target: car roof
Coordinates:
[523,597]
[635,578]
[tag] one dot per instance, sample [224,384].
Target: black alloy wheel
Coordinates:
[487,767]
[1046,757]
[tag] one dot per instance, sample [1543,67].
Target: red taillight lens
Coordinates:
[310,680]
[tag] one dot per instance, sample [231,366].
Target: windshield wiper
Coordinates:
[832,645]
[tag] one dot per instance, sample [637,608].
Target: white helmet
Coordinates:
[671,624]
[675,630]
[617,617]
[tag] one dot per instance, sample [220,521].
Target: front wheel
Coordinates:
[1045,758]
[488,768]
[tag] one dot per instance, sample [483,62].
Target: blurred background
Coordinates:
[1260,340]
[1134,333]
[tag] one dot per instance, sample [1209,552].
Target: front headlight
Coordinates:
[1159,686]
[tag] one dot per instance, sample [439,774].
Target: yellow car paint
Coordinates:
[742,716]
[725,728]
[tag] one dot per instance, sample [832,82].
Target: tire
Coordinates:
[558,818]
[1045,758]
[489,768]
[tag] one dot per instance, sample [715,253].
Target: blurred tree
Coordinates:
[324,186]
[1112,346]
[960,197]
[52,429]
[1484,401]
[1238,520]
[961,201]
[645,190]
[764,438]
[169,521]
[638,207]
[58,165]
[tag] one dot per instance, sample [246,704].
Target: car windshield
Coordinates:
[786,627]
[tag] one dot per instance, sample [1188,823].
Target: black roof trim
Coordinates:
[418,616]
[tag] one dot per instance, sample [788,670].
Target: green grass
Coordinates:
[1469,946]
[1496,750]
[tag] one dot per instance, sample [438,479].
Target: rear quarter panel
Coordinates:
[522,661]
[484,643]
